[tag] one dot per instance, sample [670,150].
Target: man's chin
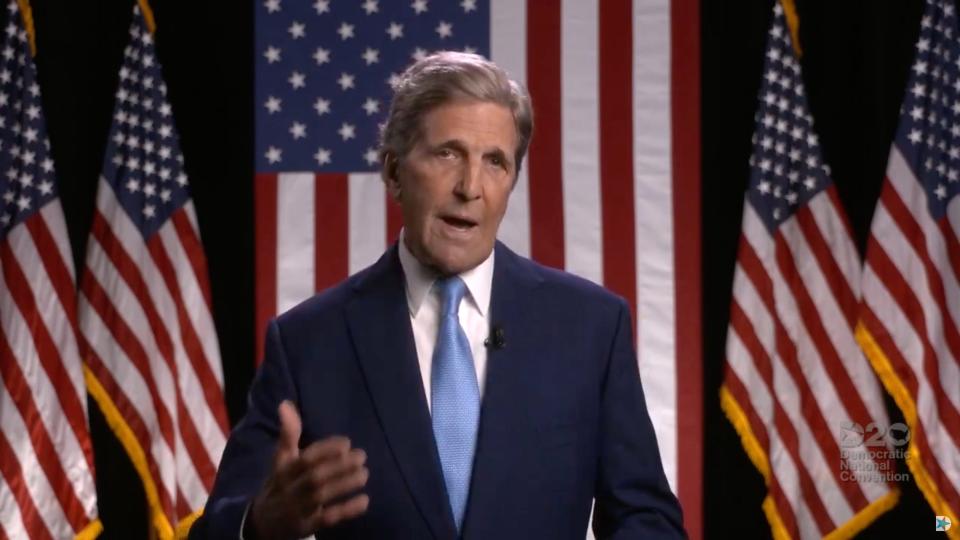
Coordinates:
[452,264]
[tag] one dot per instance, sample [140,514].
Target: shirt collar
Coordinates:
[420,280]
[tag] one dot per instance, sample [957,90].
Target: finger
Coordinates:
[314,477]
[290,428]
[342,486]
[329,516]
[333,447]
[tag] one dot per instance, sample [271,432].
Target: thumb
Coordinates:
[290,426]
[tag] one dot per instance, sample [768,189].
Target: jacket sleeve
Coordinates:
[248,456]
[633,499]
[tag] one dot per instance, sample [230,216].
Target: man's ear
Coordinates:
[390,172]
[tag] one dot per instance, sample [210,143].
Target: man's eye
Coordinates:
[498,161]
[445,153]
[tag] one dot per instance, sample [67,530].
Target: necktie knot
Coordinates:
[452,290]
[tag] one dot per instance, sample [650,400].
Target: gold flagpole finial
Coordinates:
[793,23]
[148,15]
[27,15]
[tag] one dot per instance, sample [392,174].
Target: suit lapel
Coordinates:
[379,324]
[509,378]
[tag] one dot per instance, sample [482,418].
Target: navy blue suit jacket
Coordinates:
[562,421]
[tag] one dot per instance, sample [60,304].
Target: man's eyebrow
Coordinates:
[451,143]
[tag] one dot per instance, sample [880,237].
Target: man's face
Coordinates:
[454,183]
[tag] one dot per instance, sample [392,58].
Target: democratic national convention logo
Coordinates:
[943,523]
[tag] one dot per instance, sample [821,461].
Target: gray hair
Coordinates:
[443,77]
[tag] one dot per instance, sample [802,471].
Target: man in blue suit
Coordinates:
[453,389]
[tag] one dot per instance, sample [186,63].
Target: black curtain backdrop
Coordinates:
[856,59]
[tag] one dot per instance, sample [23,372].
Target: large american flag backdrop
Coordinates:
[795,378]
[46,460]
[144,309]
[910,312]
[610,190]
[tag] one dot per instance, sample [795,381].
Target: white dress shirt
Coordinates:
[424,303]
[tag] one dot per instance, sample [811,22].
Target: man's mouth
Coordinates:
[457,222]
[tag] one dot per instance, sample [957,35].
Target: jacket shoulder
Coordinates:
[563,286]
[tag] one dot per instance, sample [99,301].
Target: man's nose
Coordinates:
[469,186]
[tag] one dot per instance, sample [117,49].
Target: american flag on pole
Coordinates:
[46,460]
[796,382]
[610,190]
[910,312]
[145,313]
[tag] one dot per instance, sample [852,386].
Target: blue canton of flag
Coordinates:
[929,131]
[786,168]
[26,170]
[143,162]
[324,73]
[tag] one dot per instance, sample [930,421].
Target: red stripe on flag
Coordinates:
[832,364]
[128,271]
[127,341]
[394,218]
[902,293]
[131,416]
[739,393]
[265,240]
[193,442]
[755,272]
[781,421]
[544,44]
[912,231]
[13,475]
[908,378]
[685,164]
[183,508]
[43,447]
[47,352]
[823,253]
[193,247]
[61,278]
[331,234]
[212,392]
[827,355]
[953,245]
[616,149]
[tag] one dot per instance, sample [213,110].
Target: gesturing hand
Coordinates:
[305,490]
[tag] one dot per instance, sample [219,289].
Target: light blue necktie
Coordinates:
[455,398]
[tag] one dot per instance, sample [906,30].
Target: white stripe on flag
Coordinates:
[911,192]
[878,298]
[781,464]
[583,238]
[53,216]
[188,480]
[508,48]
[34,477]
[910,267]
[13,523]
[52,318]
[192,297]
[295,239]
[653,203]
[367,215]
[135,388]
